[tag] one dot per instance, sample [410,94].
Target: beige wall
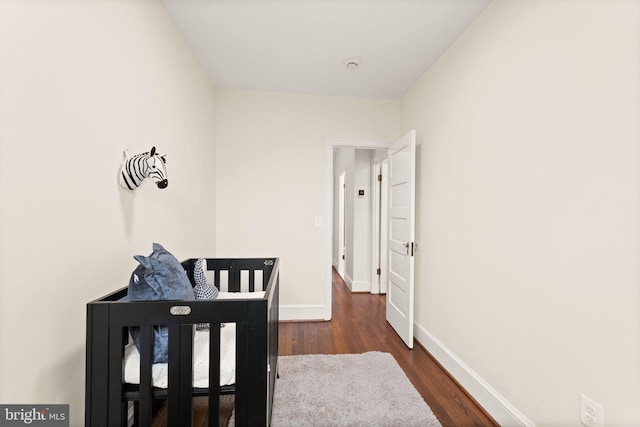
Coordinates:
[343,161]
[80,82]
[528,210]
[271,173]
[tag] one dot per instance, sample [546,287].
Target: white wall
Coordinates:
[528,204]
[343,160]
[271,180]
[80,82]
[361,278]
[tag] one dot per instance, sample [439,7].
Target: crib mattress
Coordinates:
[160,371]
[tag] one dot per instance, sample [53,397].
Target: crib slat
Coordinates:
[242,353]
[97,378]
[234,280]
[117,413]
[173,389]
[214,375]
[145,407]
[179,405]
[186,375]
[252,280]
[216,279]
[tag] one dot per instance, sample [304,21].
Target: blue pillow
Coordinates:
[159,276]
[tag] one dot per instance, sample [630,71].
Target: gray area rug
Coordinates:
[355,390]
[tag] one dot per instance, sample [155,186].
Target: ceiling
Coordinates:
[303,45]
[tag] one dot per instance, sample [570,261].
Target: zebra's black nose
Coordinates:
[163,183]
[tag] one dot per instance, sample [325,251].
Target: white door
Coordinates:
[401,233]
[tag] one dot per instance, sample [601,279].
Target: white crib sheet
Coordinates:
[159,371]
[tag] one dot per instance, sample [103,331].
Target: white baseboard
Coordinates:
[302,312]
[497,406]
[357,285]
[360,286]
[348,281]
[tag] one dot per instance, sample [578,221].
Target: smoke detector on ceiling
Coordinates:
[352,63]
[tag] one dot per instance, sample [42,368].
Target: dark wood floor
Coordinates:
[358,325]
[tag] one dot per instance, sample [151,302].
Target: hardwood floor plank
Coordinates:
[358,325]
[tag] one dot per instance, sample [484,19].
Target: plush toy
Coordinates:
[202,290]
[145,165]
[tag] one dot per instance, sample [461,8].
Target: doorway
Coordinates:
[333,234]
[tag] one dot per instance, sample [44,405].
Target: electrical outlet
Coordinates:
[591,412]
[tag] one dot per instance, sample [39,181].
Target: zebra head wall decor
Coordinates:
[144,165]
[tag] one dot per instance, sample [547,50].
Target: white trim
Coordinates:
[301,312]
[328,248]
[384,236]
[375,226]
[348,282]
[491,401]
[356,143]
[360,286]
[379,227]
[342,179]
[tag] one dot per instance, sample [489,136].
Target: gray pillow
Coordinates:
[159,276]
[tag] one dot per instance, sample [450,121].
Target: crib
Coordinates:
[110,401]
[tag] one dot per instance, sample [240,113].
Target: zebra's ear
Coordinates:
[164,158]
[153,151]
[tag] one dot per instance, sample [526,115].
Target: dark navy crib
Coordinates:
[108,397]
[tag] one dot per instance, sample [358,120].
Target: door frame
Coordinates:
[332,145]
[342,268]
[379,224]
